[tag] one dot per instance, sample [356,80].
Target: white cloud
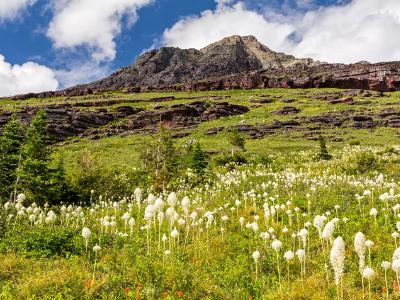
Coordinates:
[10,8]
[26,78]
[210,26]
[223,3]
[359,30]
[93,24]
[82,73]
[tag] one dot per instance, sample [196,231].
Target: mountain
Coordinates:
[169,66]
[232,63]
[240,62]
[236,62]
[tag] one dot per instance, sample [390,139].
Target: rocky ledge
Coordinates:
[310,126]
[66,120]
[235,63]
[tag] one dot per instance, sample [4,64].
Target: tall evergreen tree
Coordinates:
[198,160]
[10,155]
[34,173]
[237,140]
[323,150]
[166,147]
[59,189]
[159,157]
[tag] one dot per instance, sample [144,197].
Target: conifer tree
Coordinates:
[59,190]
[323,150]
[34,173]
[10,155]
[159,157]
[237,140]
[198,160]
[166,158]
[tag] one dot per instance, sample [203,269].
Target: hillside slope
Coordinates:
[169,66]
[235,63]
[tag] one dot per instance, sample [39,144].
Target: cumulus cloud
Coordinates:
[360,30]
[93,24]
[356,30]
[210,26]
[26,78]
[81,73]
[10,8]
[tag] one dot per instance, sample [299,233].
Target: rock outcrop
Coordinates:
[177,117]
[171,66]
[235,63]
[310,126]
[66,120]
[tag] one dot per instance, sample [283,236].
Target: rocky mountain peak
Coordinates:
[171,66]
[234,40]
[238,62]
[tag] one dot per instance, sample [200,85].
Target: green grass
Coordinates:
[121,151]
[49,260]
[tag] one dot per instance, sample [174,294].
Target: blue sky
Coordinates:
[64,42]
[26,39]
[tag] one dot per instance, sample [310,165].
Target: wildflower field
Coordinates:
[311,222]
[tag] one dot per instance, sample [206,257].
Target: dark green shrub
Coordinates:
[390,150]
[198,161]
[160,158]
[237,140]
[42,241]
[103,181]
[263,160]
[34,173]
[236,158]
[366,162]
[355,143]
[323,150]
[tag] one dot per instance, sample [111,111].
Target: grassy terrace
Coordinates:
[122,151]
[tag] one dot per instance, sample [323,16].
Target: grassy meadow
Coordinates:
[124,149]
[285,224]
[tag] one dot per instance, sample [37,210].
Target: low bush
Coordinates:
[40,241]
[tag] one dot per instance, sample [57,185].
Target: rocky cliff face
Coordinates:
[242,63]
[383,77]
[170,66]
[236,63]
[75,119]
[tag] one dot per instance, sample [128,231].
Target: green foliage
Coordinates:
[354,143]
[59,190]
[86,176]
[390,150]
[365,162]
[89,175]
[237,158]
[34,173]
[26,165]
[199,161]
[40,241]
[237,140]
[160,158]
[10,154]
[323,150]
[263,160]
